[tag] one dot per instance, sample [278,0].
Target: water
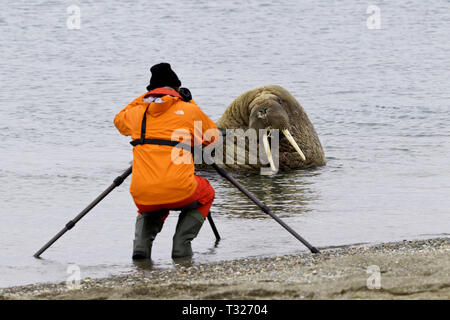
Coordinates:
[379,100]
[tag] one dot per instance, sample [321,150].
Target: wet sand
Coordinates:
[408,270]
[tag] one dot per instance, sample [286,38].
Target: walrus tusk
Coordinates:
[268,152]
[294,144]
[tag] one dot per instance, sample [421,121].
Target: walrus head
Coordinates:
[266,111]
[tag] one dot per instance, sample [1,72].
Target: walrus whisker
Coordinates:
[293,143]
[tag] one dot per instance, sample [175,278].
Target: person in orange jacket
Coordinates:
[164,127]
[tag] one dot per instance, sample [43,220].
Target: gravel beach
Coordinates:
[407,270]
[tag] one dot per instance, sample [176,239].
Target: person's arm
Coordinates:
[124,119]
[209,133]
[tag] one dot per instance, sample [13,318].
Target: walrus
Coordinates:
[273,107]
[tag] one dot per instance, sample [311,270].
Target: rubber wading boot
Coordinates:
[148,225]
[188,226]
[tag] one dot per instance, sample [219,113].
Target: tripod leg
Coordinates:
[213,227]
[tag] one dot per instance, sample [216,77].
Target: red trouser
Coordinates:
[204,195]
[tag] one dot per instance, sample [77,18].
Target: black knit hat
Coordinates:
[163,76]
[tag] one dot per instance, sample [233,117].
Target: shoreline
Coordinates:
[417,269]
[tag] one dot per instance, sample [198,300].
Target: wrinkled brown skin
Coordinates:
[282,111]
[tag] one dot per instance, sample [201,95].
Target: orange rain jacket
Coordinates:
[164,174]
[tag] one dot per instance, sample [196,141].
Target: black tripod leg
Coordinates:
[213,227]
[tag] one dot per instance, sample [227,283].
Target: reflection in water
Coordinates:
[185,262]
[212,250]
[286,193]
[143,264]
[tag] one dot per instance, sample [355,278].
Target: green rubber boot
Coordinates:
[148,225]
[188,226]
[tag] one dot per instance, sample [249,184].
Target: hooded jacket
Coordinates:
[164,174]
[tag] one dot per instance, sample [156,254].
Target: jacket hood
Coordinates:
[161,100]
[159,105]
